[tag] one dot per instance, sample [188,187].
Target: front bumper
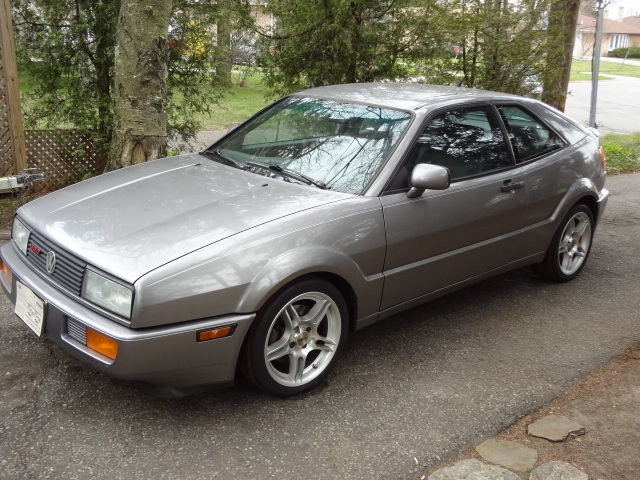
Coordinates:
[167,356]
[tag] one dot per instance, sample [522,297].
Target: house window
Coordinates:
[618,40]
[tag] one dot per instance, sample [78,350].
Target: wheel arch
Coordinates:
[582,191]
[361,293]
[343,286]
[590,201]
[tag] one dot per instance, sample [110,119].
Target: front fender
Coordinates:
[311,259]
[241,272]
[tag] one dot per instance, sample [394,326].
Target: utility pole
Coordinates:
[595,63]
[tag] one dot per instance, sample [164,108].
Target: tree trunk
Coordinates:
[494,44]
[563,19]
[223,37]
[102,60]
[140,83]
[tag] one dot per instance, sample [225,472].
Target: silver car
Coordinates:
[327,211]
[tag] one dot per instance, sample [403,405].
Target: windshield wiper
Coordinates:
[289,173]
[219,156]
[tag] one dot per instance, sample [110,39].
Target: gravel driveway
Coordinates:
[410,391]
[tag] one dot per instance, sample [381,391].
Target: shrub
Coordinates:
[629,52]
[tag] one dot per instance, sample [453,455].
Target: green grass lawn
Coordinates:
[623,152]
[238,104]
[575,76]
[579,67]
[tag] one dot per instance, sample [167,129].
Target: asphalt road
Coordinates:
[410,391]
[618,108]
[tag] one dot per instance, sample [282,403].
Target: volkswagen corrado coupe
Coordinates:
[327,211]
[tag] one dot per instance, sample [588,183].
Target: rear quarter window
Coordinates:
[572,132]
[529,136]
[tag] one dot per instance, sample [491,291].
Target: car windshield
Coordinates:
[334,145]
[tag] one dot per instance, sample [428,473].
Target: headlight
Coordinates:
[106,293]
[20,235]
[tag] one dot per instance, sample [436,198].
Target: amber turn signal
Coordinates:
[219,332]
[5,273]
[603,158]
[102,344]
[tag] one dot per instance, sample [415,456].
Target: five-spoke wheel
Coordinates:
[570,245]
[296,338]
[302,339]
[574,243]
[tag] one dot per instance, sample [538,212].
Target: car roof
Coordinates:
[407,96]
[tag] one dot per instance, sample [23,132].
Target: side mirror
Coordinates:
[428,177]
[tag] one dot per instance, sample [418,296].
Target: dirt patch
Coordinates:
[9,204]
[607,403]
[8,207]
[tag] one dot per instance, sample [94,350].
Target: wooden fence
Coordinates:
[6,140]
[64,156]
[12,154]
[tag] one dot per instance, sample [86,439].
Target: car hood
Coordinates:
[133,220]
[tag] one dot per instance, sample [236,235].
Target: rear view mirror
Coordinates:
[428,177]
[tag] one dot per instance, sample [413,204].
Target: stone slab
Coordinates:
[473,469]
[511,455]
[557,470]
[555,428]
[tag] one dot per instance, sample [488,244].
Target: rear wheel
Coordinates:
[297,338]
[570,246]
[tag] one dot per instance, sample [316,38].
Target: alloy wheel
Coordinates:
[574,243]
[302,339]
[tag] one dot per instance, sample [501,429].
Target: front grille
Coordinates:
[77,331]
[69,270]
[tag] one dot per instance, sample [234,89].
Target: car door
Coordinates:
[547,165]
[448,236]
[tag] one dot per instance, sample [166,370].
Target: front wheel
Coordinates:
[297,338]
[570,246]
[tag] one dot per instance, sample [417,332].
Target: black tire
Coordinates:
[551,266]
[254,362]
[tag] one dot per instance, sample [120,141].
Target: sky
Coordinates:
[619,9]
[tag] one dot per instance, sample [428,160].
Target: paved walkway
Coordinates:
[203,139]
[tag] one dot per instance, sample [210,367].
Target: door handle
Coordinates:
[509,186]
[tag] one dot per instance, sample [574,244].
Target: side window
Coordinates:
[467,141]
[529,137]
[571,132]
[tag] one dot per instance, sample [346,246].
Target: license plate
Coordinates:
[30,308]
